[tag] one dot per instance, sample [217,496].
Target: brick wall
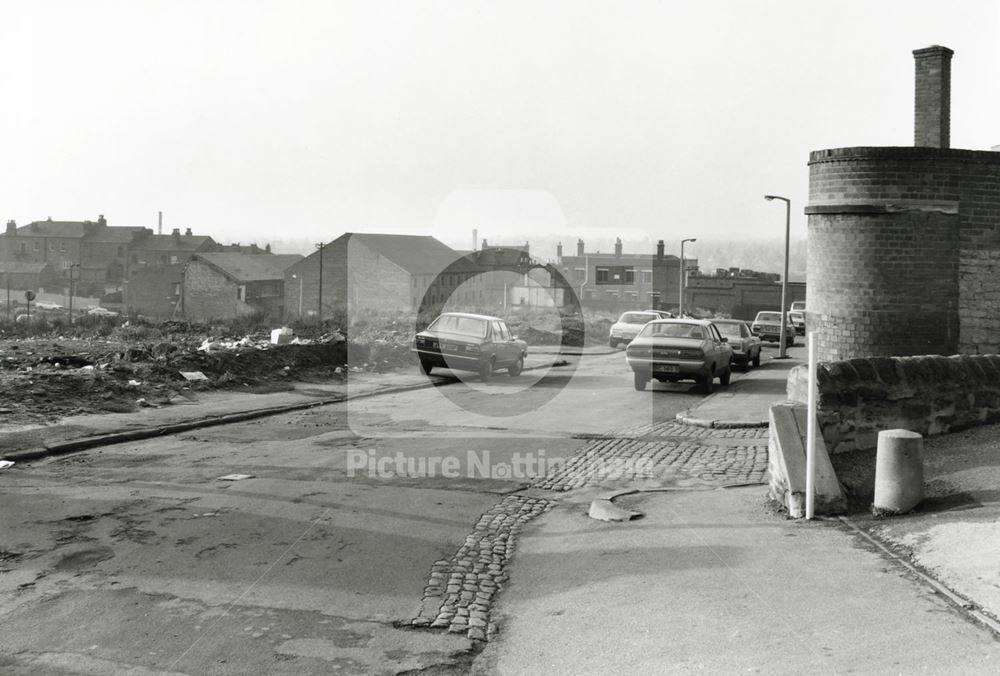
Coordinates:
[927,394]
[902,246]
[209,295]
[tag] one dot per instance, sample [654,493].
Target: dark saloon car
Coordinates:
[669,350]
[468,342]
[746,346]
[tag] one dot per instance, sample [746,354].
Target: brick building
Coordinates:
[96,253]
[904,241]
[156,271]
[620,281]
[739,293]
[364,272]
[230,285]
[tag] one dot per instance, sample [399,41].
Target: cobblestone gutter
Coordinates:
[461,590]
[665,452]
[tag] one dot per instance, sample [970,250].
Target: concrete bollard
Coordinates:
[899,472]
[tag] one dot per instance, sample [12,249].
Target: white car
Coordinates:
[629,325]
[101,312]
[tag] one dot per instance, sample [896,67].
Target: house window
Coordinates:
[654,297]
[62,247]
[177,288]
[241,292]
[173,260]
[36,245]
[24,248]
[580,274]
[615,275]
[52,246]
[647,277]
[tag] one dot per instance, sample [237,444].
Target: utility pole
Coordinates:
[71,289]
[320,302]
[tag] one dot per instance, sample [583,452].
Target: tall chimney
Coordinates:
[932,99]
[618,246]
[559,252]
[159,227]
[475,239]
[659,250]
[579,247]
[11,227]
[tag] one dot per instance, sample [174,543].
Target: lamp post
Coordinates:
[680,299]
[298,277]
[784,277]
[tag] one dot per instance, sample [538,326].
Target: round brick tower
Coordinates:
[903,241]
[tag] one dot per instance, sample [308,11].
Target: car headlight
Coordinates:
[472,348]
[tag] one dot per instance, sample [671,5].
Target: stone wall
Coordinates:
[926,394]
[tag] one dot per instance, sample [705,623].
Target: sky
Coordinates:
[299,120]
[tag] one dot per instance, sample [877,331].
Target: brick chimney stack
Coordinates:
[579,247]
[659,250]
[932,100]
[618,246]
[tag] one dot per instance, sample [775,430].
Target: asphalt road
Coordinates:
[141,558]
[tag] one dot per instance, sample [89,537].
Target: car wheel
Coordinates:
[514,370]
[426,367]
[756,359]
[486,370]
[708,381]
[639,380]
[726,376]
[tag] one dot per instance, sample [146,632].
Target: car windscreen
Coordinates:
[673,331]
[728,330]
[464,326]
[769,317]
[635,318]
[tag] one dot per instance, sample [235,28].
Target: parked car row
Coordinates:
[659,347]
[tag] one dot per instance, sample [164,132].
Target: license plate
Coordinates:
[666,368]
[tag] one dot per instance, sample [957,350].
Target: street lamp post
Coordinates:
[299,277]
[784,277]
[680,299]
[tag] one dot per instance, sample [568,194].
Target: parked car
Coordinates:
[629,324]
[767,325]
[746,345]
[101,312]
[798,319]
[470,342]
[669,350]
[798,305]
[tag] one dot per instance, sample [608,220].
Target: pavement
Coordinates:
[710,579]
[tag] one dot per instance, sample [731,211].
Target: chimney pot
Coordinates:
[618,246]
[932,97]
[187,232]
[579,247]
[659,250]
